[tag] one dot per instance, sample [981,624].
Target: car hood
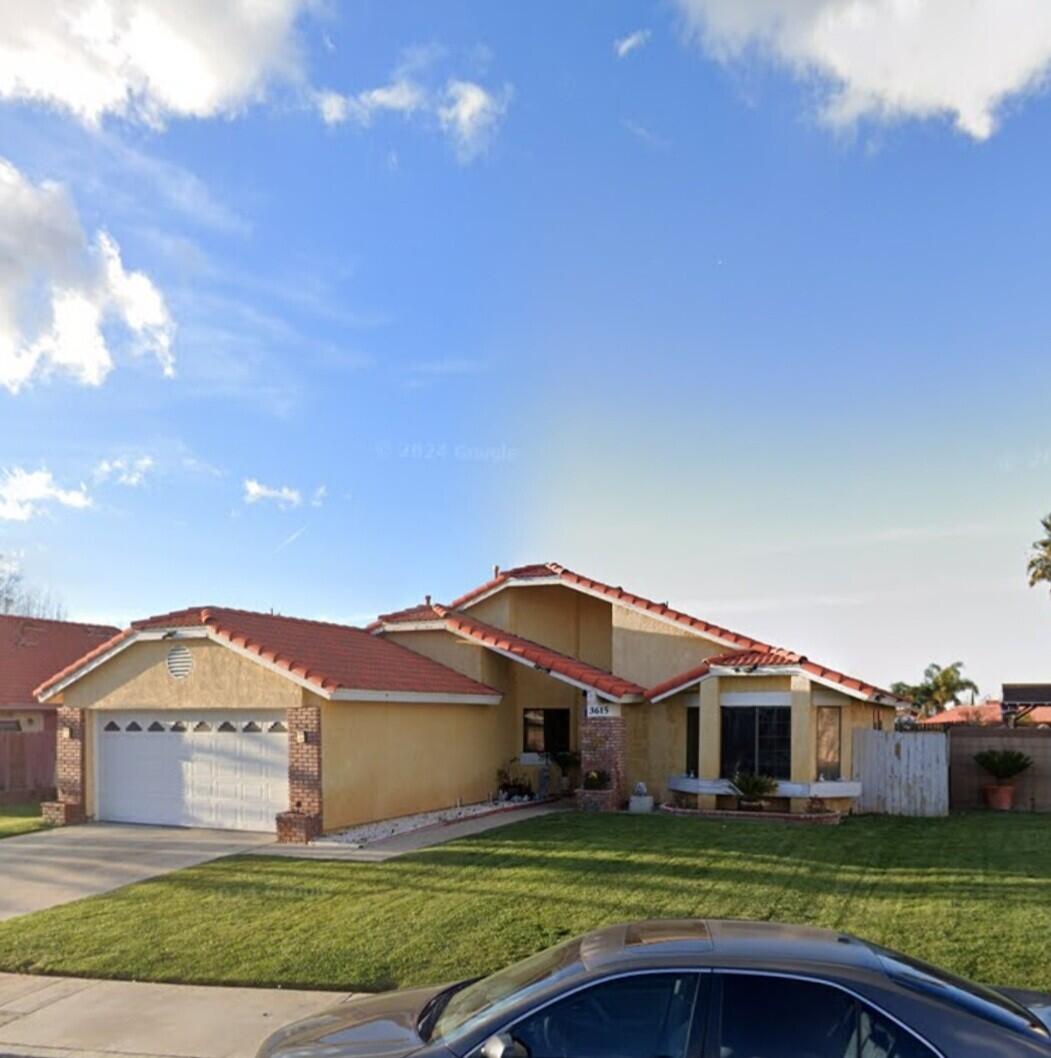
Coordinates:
[382,1026]
[1038,1002]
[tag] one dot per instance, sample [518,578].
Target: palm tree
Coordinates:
[1040,560]
[940,686]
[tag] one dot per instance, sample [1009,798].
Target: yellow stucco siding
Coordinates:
[380,760]
[138,678]
[647,650]
[446,648]
[656,742]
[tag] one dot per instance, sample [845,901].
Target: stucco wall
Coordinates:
[385,759]
[656,742]
[648,651]
[447,649]
[138,678]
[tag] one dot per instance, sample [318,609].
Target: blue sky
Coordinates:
[735,318]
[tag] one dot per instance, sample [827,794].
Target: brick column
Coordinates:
[69,768]
[302,822]
[602,745]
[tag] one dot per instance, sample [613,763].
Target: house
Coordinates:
[220,717]
[1031,704]
[32,648]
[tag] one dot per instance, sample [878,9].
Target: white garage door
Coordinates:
[209,768]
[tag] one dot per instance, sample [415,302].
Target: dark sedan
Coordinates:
[689,989]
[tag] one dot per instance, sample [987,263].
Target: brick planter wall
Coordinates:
[303,822]
[597,800]
[602,744]
[69,769]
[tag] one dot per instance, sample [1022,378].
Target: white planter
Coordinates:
[640,804]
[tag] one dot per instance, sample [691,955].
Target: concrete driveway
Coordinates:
[53,867]
[65,1017]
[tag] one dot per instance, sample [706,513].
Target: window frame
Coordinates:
[695,1041]
[713,1021]
[693,740]
[725,771]
[543,728]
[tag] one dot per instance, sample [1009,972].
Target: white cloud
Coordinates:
[320,493]
[124,470]
[146,60]
[471,114]
[892,59]
[23,493]
[624,46]
[60,293]
[399,97]
[283,495]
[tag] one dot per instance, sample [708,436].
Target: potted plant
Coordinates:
[753,790]
[596,780]
[1003,765]
[569,764]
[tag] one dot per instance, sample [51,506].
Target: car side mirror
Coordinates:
[503,1045]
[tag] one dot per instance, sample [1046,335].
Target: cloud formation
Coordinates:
[891,60]
[25,493]
[284,496]
[624,46]
[124,470]
[146,60]
[61,295]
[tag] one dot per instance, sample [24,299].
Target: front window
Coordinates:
[757,740]
[638,1016]
[545,731]
[487,997]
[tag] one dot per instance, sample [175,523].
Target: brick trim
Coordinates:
[68,807]
[602,748]
[303,820]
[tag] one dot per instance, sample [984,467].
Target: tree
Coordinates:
[940,686]
[26,600]
[1040,559]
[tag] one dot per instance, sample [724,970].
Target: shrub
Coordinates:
[1003,764]
[754,787]
[596,780]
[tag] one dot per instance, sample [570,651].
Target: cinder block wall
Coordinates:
[966,779]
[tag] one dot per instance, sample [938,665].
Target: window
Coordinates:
[693,739]
[545,731]
[829,739]
[10,725]
[641,1016]
[757,740]
[805,1018]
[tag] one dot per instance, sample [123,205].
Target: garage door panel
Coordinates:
[211,768]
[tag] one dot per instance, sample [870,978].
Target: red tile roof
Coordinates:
[541,656]
[32,648]
[772,659]
[332,657]
[985,713]
[616,594]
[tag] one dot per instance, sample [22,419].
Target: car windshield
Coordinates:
[978,999]
[488,996]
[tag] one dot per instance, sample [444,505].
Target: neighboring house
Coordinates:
[31,649]
[220,717]
[1031,701]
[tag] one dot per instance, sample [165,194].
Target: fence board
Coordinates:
[27,760]
[1032,787]
[902,774]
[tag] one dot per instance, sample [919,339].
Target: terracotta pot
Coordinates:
[750,806]
[1000,796]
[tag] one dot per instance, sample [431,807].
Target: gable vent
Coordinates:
[179,662]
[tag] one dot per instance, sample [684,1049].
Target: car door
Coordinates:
[755,1015]
[640,1015]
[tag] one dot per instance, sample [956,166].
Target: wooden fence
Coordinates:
[27,763]
[902,773]
[966,779]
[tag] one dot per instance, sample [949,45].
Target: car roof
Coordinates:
[713,941]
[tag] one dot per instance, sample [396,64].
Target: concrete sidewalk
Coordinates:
[67,1017]
[411,841]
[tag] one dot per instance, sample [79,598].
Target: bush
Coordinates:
[754,787]
[1003,764]
[596,780]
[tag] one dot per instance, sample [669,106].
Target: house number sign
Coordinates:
[602,710]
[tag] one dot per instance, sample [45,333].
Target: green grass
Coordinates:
[20,819]
[972,893]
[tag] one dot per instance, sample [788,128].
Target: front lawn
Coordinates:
[20,819]
[972,893]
